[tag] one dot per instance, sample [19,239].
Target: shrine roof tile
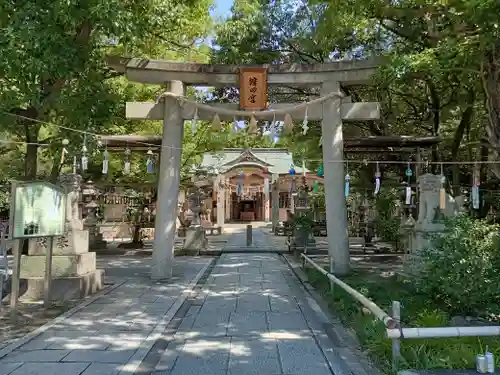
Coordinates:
[277,160]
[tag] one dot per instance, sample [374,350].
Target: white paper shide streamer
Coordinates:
[194,121]
[105,162]
[409,173]
[305,128]
[126,166]
[475,189]
[85,159]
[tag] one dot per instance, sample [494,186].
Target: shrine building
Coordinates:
[242,183]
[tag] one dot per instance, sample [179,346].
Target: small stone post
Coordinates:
[275,200]
[249,235]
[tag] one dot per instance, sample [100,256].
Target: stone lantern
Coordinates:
[90,213]
[195,234]
[303,238]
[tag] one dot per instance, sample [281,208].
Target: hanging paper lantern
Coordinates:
[292,170]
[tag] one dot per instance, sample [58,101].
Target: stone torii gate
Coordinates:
[329,76]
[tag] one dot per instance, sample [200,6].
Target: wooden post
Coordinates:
[334,176]
[396,343]
[168,185]
[47,295]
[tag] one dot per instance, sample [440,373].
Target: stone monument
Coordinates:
[74,270]
[195,233]
[430,216]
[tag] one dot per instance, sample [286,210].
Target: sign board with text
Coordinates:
[39,210]
[253,89]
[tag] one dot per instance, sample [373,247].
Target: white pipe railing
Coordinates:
[393,329]
[380,314]
[438,332]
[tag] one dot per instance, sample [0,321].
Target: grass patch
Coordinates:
[416,311]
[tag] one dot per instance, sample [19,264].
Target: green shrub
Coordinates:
[387,223]
[417,311]
[461,267]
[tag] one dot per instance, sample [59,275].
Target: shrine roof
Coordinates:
[276,160]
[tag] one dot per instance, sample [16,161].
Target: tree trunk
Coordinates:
[455,147]
[436,119]
[491,87]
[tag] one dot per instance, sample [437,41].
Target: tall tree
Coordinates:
[52,66]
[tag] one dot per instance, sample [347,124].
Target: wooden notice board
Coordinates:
[253,89]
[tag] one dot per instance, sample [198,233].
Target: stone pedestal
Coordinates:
[195,239]
[74,273]
[429,220]
[96,241]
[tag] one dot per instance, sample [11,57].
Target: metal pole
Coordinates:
[249,235]
[47,300]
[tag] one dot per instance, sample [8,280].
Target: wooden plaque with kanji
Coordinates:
[253,89]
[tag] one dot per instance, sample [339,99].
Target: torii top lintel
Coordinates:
[348,73]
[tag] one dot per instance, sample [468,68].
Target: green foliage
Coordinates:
[304,222]
[53,65]
[417,311]
[387,222]
[461,267]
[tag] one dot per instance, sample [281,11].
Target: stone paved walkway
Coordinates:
[116,331]
[247,315]
[248,320]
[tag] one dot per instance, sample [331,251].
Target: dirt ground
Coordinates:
[29,317]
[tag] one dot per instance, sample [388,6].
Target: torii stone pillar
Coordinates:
[168,184]
[333,156]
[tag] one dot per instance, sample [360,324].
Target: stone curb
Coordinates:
[135,361]
[30,336]
[356,365]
